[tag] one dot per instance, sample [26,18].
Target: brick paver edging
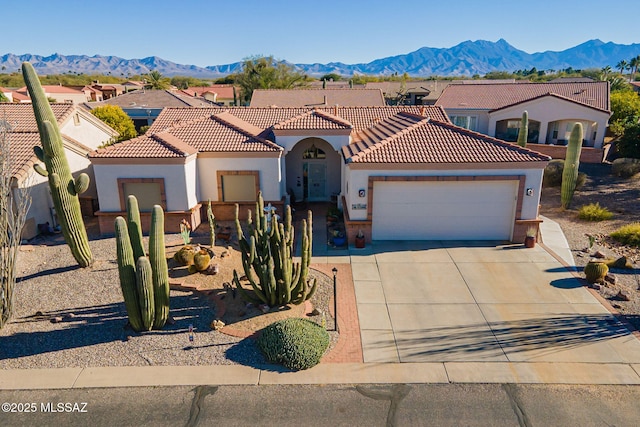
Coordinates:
[348,349]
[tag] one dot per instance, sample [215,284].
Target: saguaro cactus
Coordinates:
[571,165]
[269,251]
[212,224]
[64,188]
[524,130]
[144,281]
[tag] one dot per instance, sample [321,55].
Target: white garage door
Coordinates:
[429,210]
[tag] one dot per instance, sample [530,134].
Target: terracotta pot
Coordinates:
[360,242]
[529,242]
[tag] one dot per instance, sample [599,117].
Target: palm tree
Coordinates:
[622,65]
[634,63]
[155,80]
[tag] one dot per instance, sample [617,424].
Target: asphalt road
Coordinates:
[318,405]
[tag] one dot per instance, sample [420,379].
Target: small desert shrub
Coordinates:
[626,167]
[295,343]
[594,212]
[628,234]
[553,175]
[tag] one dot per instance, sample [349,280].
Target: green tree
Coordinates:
[331,76]
[625,107]
[633,66]
[266,73]
[629,144]
[3,97]
[155,80]
[115,117]
[622,65]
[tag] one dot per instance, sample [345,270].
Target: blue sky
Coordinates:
[215,32]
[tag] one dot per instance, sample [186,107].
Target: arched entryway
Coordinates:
[313,170]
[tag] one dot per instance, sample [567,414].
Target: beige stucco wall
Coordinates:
[86,132]
[550,109]
[269,169]
[179,182]
[76,98]
[358,179]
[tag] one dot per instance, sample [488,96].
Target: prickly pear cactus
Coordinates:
[64,188]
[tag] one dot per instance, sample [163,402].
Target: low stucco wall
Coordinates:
[587,154]
[172,220]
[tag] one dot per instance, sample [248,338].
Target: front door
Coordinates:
[316,181]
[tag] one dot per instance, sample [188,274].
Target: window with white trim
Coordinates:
[467,122]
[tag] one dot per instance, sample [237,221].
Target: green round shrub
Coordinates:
[553,173]
[594,212]
[628,234]
[295,343]
[625,167]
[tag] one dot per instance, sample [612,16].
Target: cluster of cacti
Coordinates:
[524,130]
[595,271]
[571,165]
[144,281]
[268,251]
[212,224]
[64,188]
[194,257]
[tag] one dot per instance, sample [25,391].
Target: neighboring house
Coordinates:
[218,94]
[553,108]
[102,91]
[317,97]
[144,105]
[57,93]
[421,92]
[81,133]
[8,93]
[398,172]
[634,85]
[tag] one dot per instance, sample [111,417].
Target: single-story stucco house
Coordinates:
[81,133]
[397,172]
[553,108]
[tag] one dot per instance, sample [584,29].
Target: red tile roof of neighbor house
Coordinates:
[223,91]
[24,135]
[53,89]
[316,97]
[406,138]
[495,96]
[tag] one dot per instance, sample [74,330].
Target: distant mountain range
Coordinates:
[465,59]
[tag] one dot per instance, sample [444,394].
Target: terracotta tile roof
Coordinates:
[245,129]
[223,91]
[432,142]
[314,119]
[316,97]
[161,145]
[220,133]
[495,96]
[21,118]
[21,148]
[53,89]
[175,116]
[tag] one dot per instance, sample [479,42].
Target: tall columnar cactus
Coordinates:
[524,130]
[64,188]
[267,258]
[144,281]
[571,165]
[212,224]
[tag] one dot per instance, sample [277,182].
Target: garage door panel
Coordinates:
[444,210]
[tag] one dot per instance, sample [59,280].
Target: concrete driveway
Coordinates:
[479,302]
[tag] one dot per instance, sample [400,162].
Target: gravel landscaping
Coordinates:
[66,316]
[620,196]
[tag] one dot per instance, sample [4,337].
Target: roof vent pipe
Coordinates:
[325,100]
